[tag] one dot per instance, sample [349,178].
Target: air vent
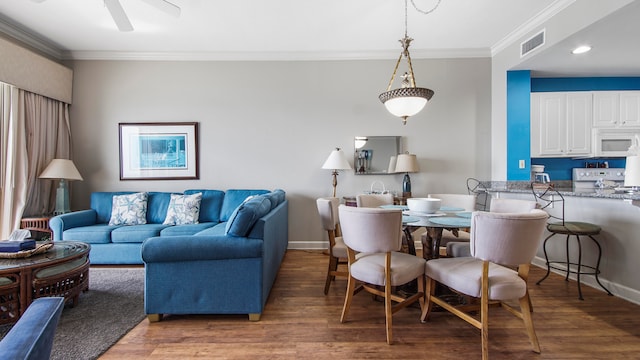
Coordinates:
[532,43]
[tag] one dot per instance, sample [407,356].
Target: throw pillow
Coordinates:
[246,215]
[183,209]
[130,209]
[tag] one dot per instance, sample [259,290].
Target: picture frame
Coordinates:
[159,151]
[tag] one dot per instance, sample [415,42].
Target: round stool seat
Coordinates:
[574,228]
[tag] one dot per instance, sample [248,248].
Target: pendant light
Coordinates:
[409,99]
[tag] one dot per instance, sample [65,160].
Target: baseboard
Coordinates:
[621,291]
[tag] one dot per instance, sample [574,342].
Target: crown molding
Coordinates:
[15,33]
[533,24]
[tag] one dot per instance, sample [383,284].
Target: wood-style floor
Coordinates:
[300,322]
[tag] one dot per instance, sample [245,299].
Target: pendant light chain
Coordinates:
[424,11]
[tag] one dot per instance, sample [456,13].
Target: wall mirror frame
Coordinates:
[373,155]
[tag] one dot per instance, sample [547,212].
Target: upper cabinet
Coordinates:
[616,109]
[561,124]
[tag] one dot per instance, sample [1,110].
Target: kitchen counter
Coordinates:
[565,188]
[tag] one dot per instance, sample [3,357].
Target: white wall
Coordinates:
[272,125]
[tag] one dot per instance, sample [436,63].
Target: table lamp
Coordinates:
[406,163]
[632,173]
[336,161]
[63,170]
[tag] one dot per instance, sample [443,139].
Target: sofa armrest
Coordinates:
[197,248]
[32,336]
[60,223]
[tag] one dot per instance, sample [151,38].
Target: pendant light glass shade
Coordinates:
[405,102]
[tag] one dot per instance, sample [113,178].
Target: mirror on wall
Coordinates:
[373,154]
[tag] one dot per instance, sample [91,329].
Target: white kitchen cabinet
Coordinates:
[616,109]
[561,124]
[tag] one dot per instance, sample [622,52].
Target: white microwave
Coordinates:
[613,142]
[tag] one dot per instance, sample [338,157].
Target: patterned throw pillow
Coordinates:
[130,209]
[183,209]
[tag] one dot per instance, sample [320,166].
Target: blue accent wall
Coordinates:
[519,86]
[518,124]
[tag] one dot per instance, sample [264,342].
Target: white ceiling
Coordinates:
[306,30]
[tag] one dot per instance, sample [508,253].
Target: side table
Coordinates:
[39,224]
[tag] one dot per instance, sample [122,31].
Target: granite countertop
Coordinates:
[565,188]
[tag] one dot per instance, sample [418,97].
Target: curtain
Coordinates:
[35,130]
[13,160]
[48,138]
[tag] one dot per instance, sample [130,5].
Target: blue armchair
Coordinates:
[32,336]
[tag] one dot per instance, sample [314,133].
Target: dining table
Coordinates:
[450,218]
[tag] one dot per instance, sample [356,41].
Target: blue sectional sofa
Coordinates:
[121,244]
[225,264]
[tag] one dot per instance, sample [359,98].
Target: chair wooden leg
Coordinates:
[333,266]
[484,311]
[431,290]
[388,305]
[528,322]
[351,286]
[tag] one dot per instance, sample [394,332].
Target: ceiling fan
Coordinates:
[120,17]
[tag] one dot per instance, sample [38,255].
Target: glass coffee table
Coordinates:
[61,271]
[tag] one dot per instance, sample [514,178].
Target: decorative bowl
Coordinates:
[424,205]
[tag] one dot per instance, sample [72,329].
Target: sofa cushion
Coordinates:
[280,194]
[129,209]
[189,229]
[216,230]
[158,205]
[233,198]
[246,215]
[183,209]
[210,205]
[136,233]
[93,234]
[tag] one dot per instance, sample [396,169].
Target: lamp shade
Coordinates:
[337,160]
[632,171]
[61,169]
[407,163]
[392,164]
[405,102]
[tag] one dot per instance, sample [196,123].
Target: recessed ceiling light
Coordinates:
[581,49]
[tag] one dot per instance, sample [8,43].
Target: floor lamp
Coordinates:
[336,161]
[63,170]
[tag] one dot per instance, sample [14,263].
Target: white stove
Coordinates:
[594,178]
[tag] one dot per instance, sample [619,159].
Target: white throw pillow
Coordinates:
[130,209]
[183,209]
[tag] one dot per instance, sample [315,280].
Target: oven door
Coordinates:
[613,143]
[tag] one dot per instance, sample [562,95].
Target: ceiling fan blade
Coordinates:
[118,15]
[165,6]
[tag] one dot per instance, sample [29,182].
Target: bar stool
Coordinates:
[548,197]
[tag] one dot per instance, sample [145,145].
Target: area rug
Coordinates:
[113,305]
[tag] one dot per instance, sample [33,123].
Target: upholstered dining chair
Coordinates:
[373,238]
[498,205]
[467,202]
[328,210]
[374,200]
[498,241]
[549,198]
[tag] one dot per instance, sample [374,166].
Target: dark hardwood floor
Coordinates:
[301,322]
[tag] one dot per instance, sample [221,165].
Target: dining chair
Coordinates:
[373,239]
[474,186]
[498,241]
[498,205]
[328,210]
[466,202]
[374,200]
[550,198]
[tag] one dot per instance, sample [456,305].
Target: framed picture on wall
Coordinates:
[159,151]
